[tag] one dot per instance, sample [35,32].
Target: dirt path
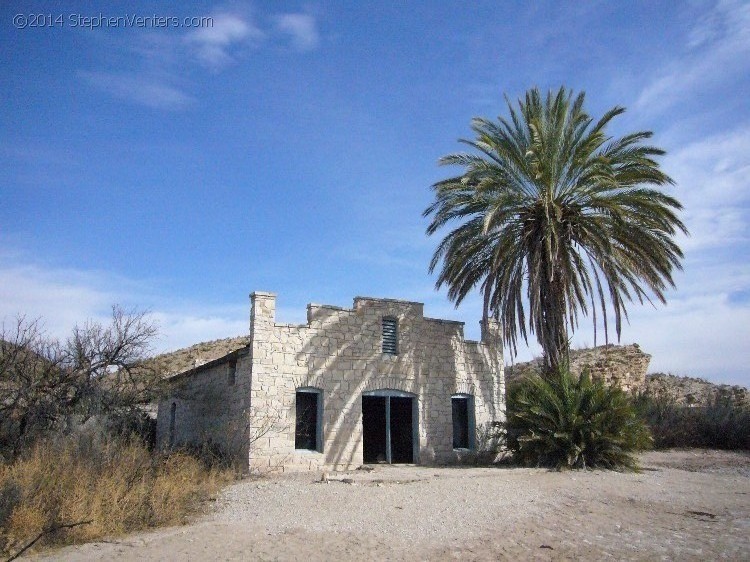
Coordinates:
[686,505]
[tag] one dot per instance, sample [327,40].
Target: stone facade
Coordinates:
[245,401]
[619,365]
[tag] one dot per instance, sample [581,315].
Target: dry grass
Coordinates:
[118,485]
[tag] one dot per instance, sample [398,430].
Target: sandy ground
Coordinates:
[684,505]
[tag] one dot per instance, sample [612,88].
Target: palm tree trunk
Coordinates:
[553,334]
[486,304]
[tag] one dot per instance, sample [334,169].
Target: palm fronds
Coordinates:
[563,422]
[552,219]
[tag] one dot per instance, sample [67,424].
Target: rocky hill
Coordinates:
[621,365]
[693,391]
[626,366]
[195,355]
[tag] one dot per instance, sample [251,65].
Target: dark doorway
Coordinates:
[402,436]
[460,407]
[374,429]
[387,428]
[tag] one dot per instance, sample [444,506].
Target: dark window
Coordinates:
[308,428]
[232,373]
[390,336]
[172,416]
[463,421]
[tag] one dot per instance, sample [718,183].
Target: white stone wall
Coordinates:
[209,410]
[339,351]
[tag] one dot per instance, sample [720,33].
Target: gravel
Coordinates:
[686,505]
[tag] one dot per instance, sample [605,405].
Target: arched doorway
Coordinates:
[389,427]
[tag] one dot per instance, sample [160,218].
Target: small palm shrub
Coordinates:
[563,422]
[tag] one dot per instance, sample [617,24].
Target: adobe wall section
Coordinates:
[339,351]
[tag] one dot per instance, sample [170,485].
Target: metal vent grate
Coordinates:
[390,336]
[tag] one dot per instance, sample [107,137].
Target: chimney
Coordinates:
[492,334]
[262,311]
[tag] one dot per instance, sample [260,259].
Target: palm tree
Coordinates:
[555,216]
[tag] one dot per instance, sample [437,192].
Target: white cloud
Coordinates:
[143,89]
[704,335]
[155,75]
[712,176]
[159,63]
[183,329]
[701,332]
[62,298]
[718,49]
[703,329]
[213,44]
[301,28]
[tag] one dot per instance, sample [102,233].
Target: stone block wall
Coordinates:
[211,407]
[339,351]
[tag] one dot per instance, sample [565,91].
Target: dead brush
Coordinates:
[114,485]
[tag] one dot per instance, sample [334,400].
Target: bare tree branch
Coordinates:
[46,532]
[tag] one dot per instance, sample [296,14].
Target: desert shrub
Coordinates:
[115,485]
[561,421]
[131,422]
[720,423]
[211,454]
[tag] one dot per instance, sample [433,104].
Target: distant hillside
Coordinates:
[689,390]
[195,355]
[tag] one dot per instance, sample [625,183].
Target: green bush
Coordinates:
[720,423]
[562,422]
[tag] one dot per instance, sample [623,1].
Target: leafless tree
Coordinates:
[97,371]
[108,362]
[33,382]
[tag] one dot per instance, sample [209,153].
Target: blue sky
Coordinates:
[291,147]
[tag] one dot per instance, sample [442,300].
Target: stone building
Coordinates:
[375,383]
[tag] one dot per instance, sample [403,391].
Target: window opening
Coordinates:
[462,407]
[172,416]
[308,427]
[390,336]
